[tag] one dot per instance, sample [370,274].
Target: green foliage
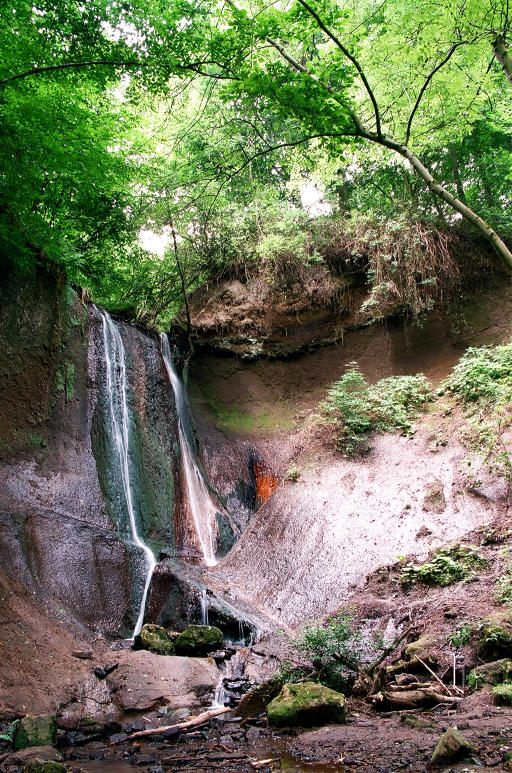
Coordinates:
[334,649]
[483,374]
[354,408]
[9,734]
[292,473]
[460,635]
[482,381]
[448,565]
[503,592]
[474,680]
[211,128]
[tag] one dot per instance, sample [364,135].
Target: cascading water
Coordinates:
[204,607]
[201,506]
[117,393]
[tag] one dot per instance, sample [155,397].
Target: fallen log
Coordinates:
[201,719]
[412,699]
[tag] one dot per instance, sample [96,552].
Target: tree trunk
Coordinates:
[500,48]
[456,173]
[490,234]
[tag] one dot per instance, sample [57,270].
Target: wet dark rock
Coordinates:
[256,700]
[144,759]
[198,640]
[103,671]
[118,737]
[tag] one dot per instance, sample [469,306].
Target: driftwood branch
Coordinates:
[394,644]
[201,719]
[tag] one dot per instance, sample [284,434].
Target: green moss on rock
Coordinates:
[422,648]
[306,704]
[154,638]
[495,636]
[502,694]
[491,673]
[452,746]
[40,766]
[36,731]
[198,640]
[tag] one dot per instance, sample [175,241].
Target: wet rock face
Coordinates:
[60,531]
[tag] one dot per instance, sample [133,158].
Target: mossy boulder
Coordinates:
[491,673]
[495,636]
[306,704]
[198,640]
[38,730]
[502,694]
[423,648]
[452,746]
[154,638]
[40,766]
[257,699]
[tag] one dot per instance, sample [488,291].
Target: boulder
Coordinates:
[40,766]
[155,639]
[257,699]
[452,746]
[38,730]
[146,681]
[495,636]
[491,673]
[36,755]
[502,694]
[198,640]
[306,704]
[422,648]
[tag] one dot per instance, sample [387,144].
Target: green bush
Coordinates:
[503,592]
[483,374]
[448,565]
[334,649]
[354,408]
[482,381]
[460,635]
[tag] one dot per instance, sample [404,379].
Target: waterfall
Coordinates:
[201,506]
[204,607]
[117,393]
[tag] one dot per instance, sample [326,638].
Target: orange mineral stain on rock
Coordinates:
[266,483]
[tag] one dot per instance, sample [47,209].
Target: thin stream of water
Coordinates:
[117,392]
[201,506]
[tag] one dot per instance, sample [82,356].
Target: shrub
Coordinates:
[460,635]
[334,649]
[448,565]
[503,592]
[354,408]
[483,374]
[483,382]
